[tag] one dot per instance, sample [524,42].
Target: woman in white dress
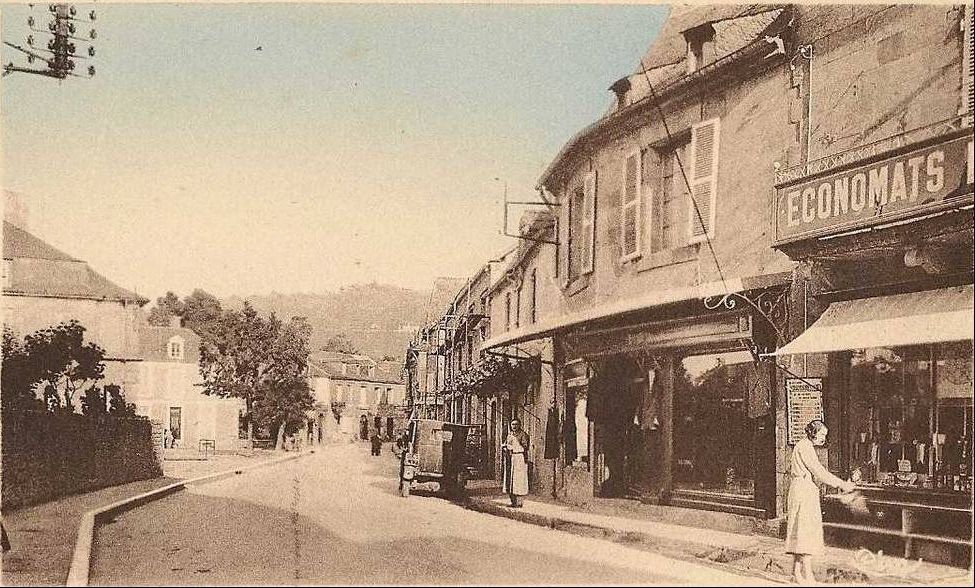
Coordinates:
[804,537]
[515,451]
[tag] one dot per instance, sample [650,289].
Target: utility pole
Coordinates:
[61,50]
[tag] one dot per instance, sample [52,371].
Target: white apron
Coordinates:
[515,467]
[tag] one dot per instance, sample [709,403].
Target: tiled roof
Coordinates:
[154,343]
[18,243]
[37,269]
[670,46]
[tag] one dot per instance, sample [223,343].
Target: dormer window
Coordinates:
[175,348]
[700,46]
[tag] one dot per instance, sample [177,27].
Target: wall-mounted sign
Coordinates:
[911,182]
[728,327]
[804,403]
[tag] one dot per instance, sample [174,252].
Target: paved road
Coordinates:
[335,517]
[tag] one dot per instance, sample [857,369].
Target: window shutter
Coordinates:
[630,207]
[968,54]
[564,224]
[588,212]
[704,179]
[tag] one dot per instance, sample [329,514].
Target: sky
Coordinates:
[361,143]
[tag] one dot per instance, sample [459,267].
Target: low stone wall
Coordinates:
[46,456]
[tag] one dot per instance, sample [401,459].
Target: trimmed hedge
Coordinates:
[48,455]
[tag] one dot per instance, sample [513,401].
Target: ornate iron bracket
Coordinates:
[770,304]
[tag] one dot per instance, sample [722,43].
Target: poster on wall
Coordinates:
[804,397]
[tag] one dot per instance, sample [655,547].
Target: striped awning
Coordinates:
[915,318]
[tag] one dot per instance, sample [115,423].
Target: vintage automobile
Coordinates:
[436,451]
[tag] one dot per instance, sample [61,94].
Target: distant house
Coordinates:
[43,286]
[169,390]
[157,368]
[369,396]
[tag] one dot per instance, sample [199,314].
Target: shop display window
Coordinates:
[910,418]
[718,399]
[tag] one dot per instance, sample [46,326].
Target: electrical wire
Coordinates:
[683,173]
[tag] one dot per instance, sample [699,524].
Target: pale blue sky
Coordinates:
[361,144]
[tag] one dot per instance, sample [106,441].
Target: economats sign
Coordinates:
[912,183]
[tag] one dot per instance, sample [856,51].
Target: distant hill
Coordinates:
[380,319]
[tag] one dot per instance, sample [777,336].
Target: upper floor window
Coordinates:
[7,278]
[518,306]
[175,348]
[669,202]
[533,295]
[507,311]
[582,227]
[968,55]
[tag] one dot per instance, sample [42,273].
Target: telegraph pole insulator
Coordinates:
[61,51]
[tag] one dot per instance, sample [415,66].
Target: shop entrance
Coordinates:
[626,445]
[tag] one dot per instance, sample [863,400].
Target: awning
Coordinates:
[916,318]
[649,300]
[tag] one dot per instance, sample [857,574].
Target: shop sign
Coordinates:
[718,329]
[913,182]
[804,403]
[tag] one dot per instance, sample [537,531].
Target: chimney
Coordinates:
[175,322]
[621,87]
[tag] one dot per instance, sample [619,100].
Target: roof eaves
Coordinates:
[657,96]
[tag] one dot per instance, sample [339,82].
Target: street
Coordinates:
[335,517]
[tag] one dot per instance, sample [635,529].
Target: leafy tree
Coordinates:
[262,361]
[281,406]
[165,309]
[201,311]
[340,343]
[60,360]
[18,377]
[110,400]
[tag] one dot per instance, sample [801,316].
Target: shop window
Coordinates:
[718,402]
[910,417]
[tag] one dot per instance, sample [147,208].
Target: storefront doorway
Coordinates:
[625,458]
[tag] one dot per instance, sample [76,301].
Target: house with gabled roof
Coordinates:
[44,286]
[169,390]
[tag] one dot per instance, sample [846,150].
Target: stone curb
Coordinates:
[81,560]
[671,547]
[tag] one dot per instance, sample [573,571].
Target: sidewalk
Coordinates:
[42,536]
[753,554]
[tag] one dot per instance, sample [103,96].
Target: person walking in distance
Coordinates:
[804,531]
[515,451]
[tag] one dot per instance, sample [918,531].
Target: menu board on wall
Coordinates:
[804,398]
